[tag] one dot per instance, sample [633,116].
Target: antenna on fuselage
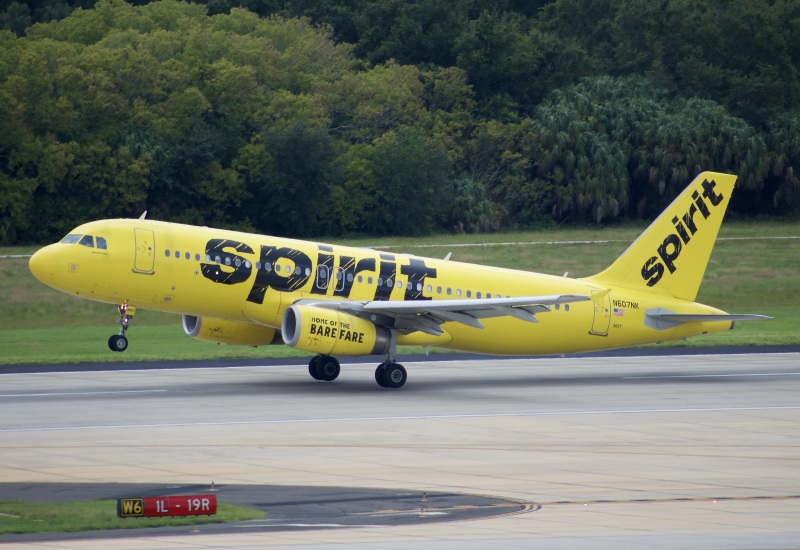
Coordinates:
[144,215]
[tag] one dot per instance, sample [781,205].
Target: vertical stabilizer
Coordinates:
[671,256]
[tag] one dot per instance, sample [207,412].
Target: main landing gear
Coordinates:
[324,367]
[389,374]
[118,342]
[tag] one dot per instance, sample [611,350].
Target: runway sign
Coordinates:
[156,507]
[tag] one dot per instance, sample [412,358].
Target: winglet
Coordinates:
[671,256]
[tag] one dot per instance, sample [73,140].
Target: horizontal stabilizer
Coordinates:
[661,319]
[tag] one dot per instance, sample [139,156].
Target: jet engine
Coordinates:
[236,333]
[330,332]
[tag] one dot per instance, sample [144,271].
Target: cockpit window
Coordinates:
[72,238]
[87,240]
[101,243]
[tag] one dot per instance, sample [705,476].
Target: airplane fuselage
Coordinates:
[248,278]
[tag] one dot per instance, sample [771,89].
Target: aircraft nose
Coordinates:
[40,266]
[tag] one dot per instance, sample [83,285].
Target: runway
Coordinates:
[609,452]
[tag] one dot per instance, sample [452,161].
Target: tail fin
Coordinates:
[670,257]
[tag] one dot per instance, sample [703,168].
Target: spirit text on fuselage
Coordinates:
[286,269]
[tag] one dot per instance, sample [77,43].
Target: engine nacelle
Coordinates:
[327,331]
[235,333]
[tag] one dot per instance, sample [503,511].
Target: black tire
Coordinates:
[117,343]
[328,368]
[312,367]
[394,376]
[379,372]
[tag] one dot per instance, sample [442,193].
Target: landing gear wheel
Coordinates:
[312,367]
[117,343]
[379,374]
[328,368]
[324,367]
[391,375]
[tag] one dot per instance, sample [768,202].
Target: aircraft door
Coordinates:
[145,251]
[602,313]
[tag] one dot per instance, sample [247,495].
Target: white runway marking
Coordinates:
[509,243]
[562,243]
[390,418]
[733,375]
[57,394]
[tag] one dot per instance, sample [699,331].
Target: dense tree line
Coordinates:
[390,116]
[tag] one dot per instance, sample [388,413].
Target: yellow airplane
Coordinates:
[255,290]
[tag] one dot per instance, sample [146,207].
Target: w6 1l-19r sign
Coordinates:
[156,507]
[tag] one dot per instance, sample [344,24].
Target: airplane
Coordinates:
[246,289]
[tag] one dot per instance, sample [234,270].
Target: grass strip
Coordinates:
[18,517]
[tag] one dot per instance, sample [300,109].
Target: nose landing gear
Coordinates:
[119,342]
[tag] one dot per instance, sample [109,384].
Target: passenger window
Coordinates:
[166,252]
[339,276]
[458,292]
[322,276]
[478,295]
[188,256]
[469,294]
[101,243]
[178,254]
[87,240]
[197,258]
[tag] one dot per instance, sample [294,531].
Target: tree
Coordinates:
[289,172]
[409,173]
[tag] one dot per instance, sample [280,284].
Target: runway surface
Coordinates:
[607,452]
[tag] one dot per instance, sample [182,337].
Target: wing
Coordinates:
[428,315]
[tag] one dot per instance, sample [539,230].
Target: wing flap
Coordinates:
[428,315]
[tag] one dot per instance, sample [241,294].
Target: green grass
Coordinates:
[41,325]
[47,517]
